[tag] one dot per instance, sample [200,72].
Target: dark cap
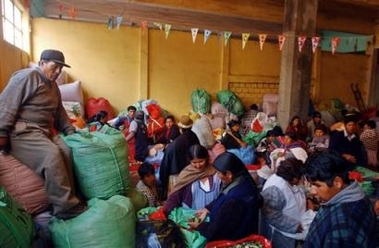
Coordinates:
[139,115]
[316,114]
[54,55]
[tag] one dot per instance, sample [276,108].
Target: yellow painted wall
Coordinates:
[338,72]
[105,61]
[125,66]
[177,66]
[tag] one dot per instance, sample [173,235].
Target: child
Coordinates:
[96,122]
[369,138]
[320,141]
[147,184]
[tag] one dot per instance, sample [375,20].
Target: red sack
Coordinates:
[229,243]
[155,126]
[95,105]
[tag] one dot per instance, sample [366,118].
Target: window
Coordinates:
[12,24]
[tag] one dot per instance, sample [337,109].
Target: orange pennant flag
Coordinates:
[262,39]
[335,43]
[72,13]
[281,40]
[315,43]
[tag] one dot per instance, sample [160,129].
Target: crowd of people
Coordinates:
[303,194]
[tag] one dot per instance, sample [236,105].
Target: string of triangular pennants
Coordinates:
[114,22]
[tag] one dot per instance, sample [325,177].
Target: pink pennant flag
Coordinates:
[207,33]
[315,42]
[301,41]
[245,38]
[143,27]
[60,10]
[227,35]
[335,43]
[194,32]
[281,40]
[262,39]
[167,28]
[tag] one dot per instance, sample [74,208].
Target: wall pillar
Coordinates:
[296,67]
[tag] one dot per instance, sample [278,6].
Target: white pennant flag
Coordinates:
[194,34]
[118,21]
[227,35]
[167,28]
[207,33]
[159,25]
[245,38]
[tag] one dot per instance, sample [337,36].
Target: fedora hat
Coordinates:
[185,122]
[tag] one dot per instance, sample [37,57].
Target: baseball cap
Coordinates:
[54,55]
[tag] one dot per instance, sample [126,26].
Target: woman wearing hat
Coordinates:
[234,213]
[176,155]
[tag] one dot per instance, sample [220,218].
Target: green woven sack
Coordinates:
[231,102]
[201,101]
[16,225]
[105,224]
[100,162]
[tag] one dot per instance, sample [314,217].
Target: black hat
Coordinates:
[139,115]
[316,114]
[54,55]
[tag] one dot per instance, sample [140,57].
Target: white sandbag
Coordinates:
[203,130]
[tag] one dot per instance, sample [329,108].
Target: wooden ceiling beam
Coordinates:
[179,18]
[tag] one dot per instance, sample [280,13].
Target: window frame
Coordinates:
[14,30]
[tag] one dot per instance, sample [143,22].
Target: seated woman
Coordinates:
[290,148]
[232,139]
[170,131]
[96,122]
[297,127]
[284,205]
[234,213]
[197,184]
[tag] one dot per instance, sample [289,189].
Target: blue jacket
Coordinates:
[234,213]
